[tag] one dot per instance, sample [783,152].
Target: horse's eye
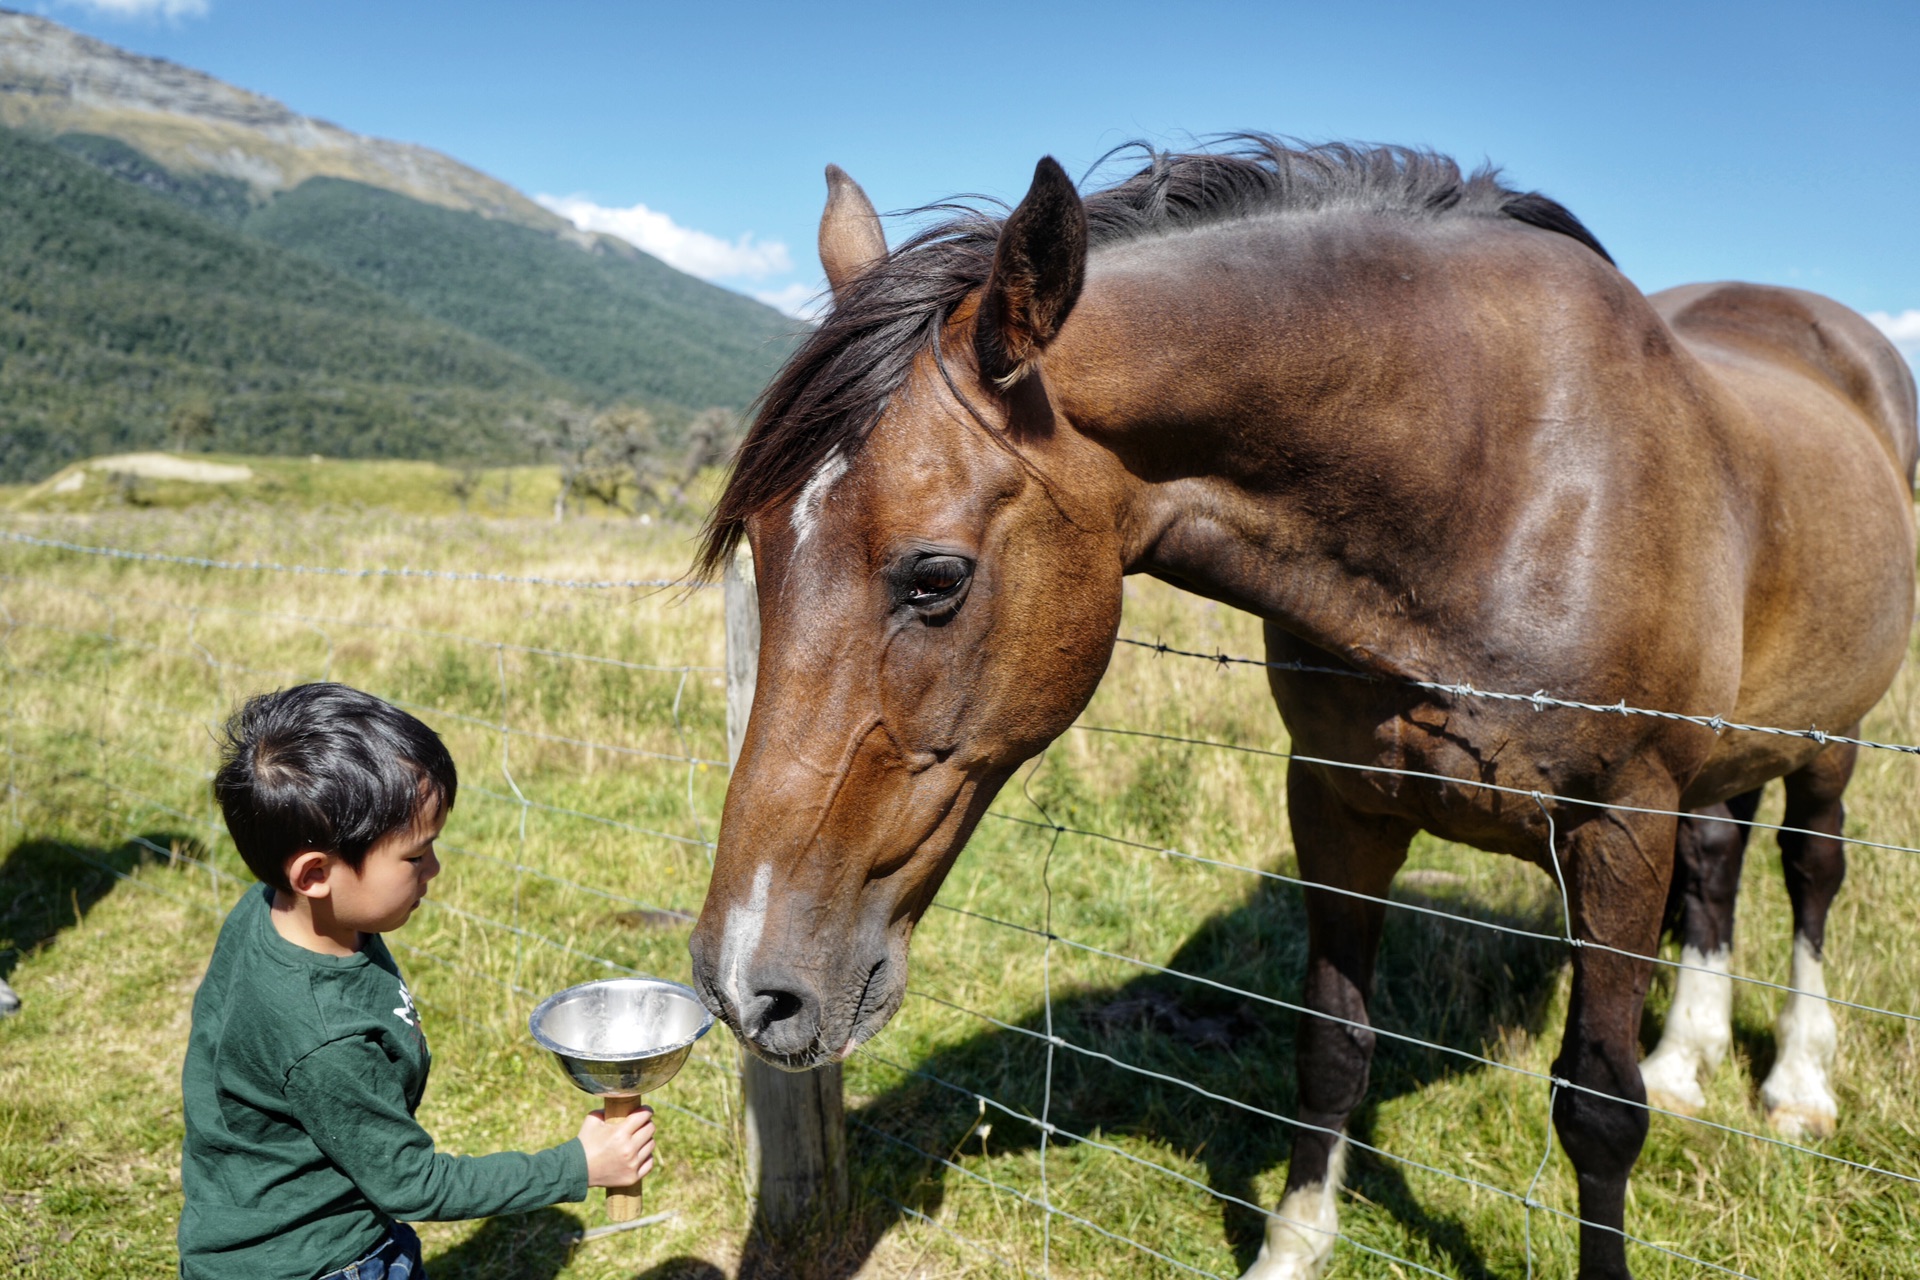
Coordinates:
[935,584]
[938,576]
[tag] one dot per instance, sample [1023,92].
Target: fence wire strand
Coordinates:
[1539,700]
[120,801]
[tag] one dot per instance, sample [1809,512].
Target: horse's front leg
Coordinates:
[1358,853]
[1615,867]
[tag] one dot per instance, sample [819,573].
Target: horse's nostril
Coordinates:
[770,1007]
[781,1022]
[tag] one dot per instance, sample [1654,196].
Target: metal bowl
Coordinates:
[621,1036]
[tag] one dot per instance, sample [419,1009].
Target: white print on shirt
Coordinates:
[406,1012]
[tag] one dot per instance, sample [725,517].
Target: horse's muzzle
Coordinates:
[794,1009]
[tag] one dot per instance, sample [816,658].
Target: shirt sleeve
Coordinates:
[348,1096]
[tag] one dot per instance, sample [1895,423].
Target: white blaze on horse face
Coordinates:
[1798,1095]
[745,924]
[1301,1233]
[1699,1029]
[806,512]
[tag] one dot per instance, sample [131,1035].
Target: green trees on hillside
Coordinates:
[620,324]
[123,318]
[135,313]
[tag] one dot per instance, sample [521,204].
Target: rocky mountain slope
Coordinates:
[127,322]
[185,263]
[55,81]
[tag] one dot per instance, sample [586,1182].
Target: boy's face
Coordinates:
[392,880]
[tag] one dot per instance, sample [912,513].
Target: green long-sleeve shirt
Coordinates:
[303,1071]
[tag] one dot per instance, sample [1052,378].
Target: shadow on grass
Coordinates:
[520,1246]
[538,1246]
[1440,980]
[50,885]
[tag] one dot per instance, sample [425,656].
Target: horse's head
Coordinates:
[939,585]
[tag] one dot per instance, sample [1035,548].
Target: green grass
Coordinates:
[317,484]
[109,742]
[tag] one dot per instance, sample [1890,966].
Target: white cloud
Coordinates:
[805,301]
[695,252]
[1904,329]
[143,8]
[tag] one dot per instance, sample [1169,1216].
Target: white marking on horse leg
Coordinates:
[806,511]
[1300,1233]
[1798,1095]
[745,924]
[1699,1029]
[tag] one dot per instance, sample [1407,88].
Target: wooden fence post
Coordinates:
[796,1121]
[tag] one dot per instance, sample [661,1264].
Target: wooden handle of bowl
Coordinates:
[623,1203]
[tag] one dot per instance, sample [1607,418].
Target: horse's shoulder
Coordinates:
[1817,335]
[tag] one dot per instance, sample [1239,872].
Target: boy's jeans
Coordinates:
[396,1258]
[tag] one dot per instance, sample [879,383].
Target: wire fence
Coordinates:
[111,689]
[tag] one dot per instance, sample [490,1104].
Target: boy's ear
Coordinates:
[307,873]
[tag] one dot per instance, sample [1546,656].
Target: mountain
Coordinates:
[127,321]
[610,319]
[256,239]
[55,81]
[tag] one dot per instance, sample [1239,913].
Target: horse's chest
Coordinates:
[1476,775]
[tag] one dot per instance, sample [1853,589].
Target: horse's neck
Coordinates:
[1332,472]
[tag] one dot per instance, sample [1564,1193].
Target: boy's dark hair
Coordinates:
[323,766]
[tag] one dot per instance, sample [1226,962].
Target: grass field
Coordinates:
[588,789]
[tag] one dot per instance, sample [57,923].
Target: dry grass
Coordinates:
[116,670]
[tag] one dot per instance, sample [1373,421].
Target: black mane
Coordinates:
[833,389]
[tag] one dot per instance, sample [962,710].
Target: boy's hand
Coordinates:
[619,1152]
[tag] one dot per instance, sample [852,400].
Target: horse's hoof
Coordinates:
[1285,1266]
[1673,1084]
[9,1002]
[1796,1096]
[1799,1120]
[1300,1237]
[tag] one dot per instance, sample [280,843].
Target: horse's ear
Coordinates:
[1038,268]
[850,235]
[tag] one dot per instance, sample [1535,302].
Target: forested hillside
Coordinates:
[621,324]
[127,321]
[187,264]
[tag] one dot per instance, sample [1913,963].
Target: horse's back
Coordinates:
[1822,339]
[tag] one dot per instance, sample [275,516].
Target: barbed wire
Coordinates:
[1421,909]
[1272,1215]
[114,639]
[367,624]
[423,708]
[1374,1028]
[1047,1208]
[1539,700]
[403,571]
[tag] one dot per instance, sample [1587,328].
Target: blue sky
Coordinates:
[1759,141]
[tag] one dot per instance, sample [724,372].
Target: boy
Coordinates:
[307,1058]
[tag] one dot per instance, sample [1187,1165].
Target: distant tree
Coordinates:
[625,454]
[192,422]
[711,439]
[564,432]
[464,483]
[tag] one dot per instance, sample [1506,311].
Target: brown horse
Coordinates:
[1422,426]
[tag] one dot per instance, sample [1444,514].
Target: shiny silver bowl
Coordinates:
[621,1036]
